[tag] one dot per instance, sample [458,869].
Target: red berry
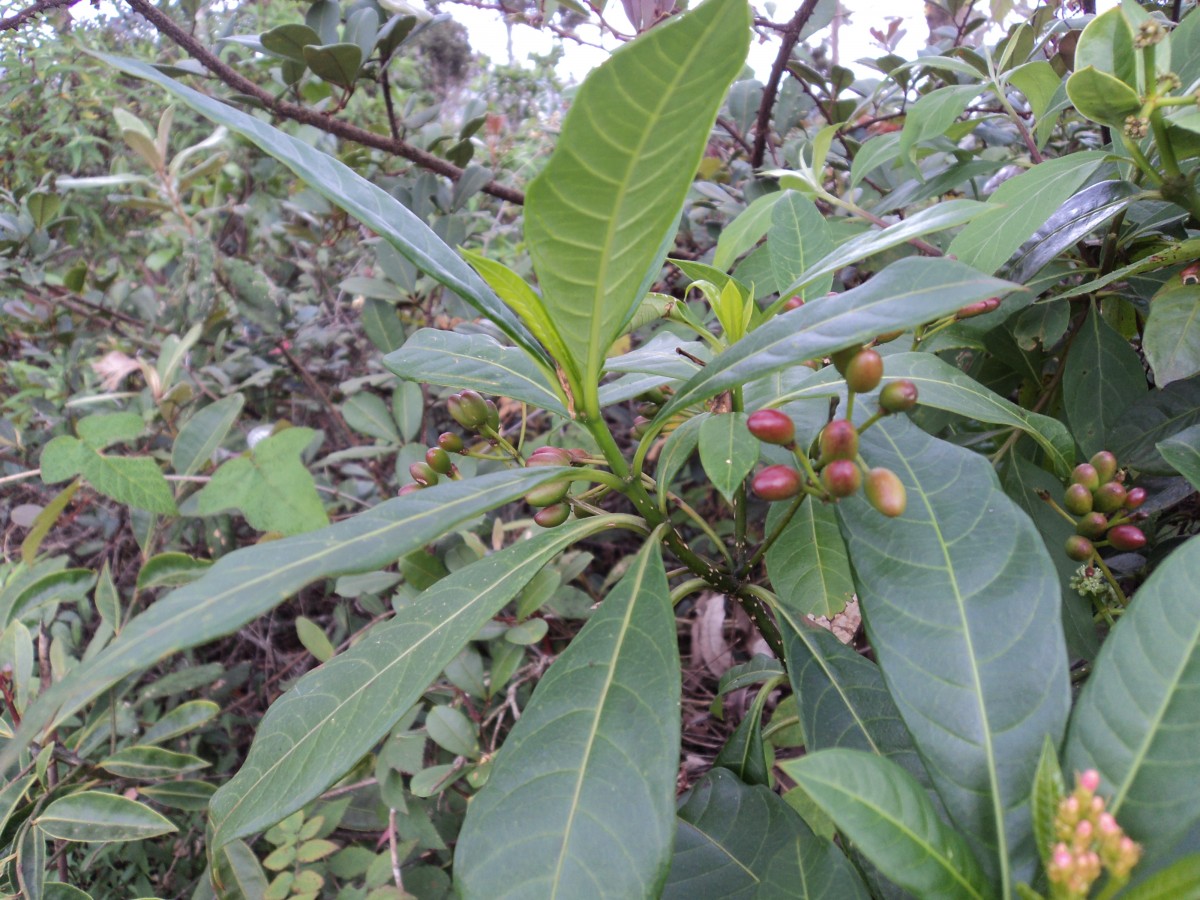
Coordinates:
[1079,548]
[1078,500]
[552,516]
[771,426]
[898,396]
[864,372]
[1135,497]
[839,440]
[886,492]
[793,303]
[776,483]
[978,308]
[1105,465]
[1126,537]
[1110,497]
[841,478]
[1086,474]
[842,358]
[1093,525]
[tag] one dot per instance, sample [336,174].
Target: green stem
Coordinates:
[1108,576]
[1166,152]
[773,537]
[700,522]
[1140,160]
[689,587]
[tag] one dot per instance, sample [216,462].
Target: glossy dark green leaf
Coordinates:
[1102,97]
[737,842]
[728,451]
[203,433]
[1153,418]
[1137,720]
[961,604]
[1172,335]
[336,63]
[374,207]
[892,821]
[580,801]
[99,817]
[598,214]
[904,294]
[1103,376]
[474,361]
[247,583]
[1182,452]
[808,566]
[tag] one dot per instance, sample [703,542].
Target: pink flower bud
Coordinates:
[1083,831]
[1108,825]
[1097,805]
[1062,857]
[1089,780]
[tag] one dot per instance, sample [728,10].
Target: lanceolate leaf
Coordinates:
[96,816]
[247,583]
[203,433]
[581,800]
[474,361]
[904,294]
[727,451]
[598,214]
[1172,336]
[1138,719]
[888,816]
[809,570]
[333,715]
[1103,376]
[374,207]
[798,237]
[961,604]
[737,842]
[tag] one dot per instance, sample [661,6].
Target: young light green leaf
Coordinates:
[967,600]
[333,715]
[99,817]
[1172,336]
[236,871]
[102,430]
[247,583]
[587,774]
[474,361]
[889,817]
[312,636]
[203,433]
[599,215]
[1101,97]
[904,294]
[933,113]
[1152,658]
[1103,376]
[133,480]
[744,231]
[809,569]
[373,206]
[728,451]
[737,842]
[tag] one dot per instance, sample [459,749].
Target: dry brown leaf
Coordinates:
[709,646]
[114,367]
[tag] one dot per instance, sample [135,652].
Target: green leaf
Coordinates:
[62,458]
[1048,790]
[337,63]
[1138,716]
[1107,45]
[408,409]
[1182,452]
[678,449]
[728,451]
[1172,335]
[323,17]
[1103,375]
[30,870]
[1180,879]
[599,215]
[46,519]
[1154,418]
[97,817]
[889,817]
[586,777]
[185,795]
[474,361]
[367,414]
[939,217]
[314,640]
[57,890]
[744,753]
[1181,251]
[451,730]
[904,294]
[382,325]
[942,386]
[374,207]
[333,715]
[99,431]
[289,41]
[236,871]
[1023,203]
[170,570]
[744,231]
[150,762]
[249,582]
[737,842]
[269,485]
[809,569]
[203,433]
[1101,97]
[842,699]
[960,593]
[933,113]
[133,480]
[67,584]
[799,236]
[182,719]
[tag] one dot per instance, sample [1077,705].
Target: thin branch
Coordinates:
[29,12]
[791,35]
[231,77]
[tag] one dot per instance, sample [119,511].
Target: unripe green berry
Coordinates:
[771,426]
[1086,474]
[438,460]
[842,358]
[839,440]
[1105,465]
[468,408]
[1093,525]
[1078,500]
[886,492]
[450,442]
[552,516]
[1126,537]
[776,483]
[492,416]
[898,396]
[1135,497]
[864,372]
[841,478]
[423,474]
[548,494]
[1079,548]
[1110,497]
[640,426]
[649,410]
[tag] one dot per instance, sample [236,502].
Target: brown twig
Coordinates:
[231,77]
[29,12]
[791,34]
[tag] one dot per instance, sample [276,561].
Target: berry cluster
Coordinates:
[469,410]
[1087,840]
[837,470]
[1102,508]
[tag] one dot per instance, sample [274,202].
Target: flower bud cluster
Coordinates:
[1103,508]
[1087,841]
[1149,33]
